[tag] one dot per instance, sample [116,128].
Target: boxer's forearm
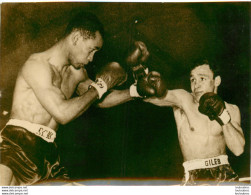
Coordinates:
[83,87]
[71,78]
[234,138]
[114,98]
[65,111]
[68,89]
[172,98]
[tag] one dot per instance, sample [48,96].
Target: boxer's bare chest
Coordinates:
[191,122]
[199,137]
[26,104]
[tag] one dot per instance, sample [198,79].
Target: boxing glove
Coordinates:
[136,57]
[151,85]
[111,75]
[214,107]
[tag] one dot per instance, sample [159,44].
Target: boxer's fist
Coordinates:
[112,74]
[136,57]
[214,107]
[151,85]
[137,54]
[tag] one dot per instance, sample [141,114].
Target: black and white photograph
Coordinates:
[125,94]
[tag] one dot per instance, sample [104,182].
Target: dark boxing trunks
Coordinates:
[211,171]
[31,158]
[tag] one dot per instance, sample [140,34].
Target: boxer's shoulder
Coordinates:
[180,96]
[37,58]
[36,64]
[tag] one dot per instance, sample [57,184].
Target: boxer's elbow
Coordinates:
[62,121]
[102,105]
[61,118]
[239,150]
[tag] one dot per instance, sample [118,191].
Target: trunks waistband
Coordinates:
[204,164]
[42,131]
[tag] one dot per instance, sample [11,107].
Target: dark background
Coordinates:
[136,139]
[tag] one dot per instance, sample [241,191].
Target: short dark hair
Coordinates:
[212,65]
[87,23]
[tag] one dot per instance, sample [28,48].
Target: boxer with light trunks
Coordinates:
[43,99]
[206,125]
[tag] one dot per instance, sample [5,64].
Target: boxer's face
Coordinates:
[202,81]
[84,49]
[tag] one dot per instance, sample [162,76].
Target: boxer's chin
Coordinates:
[196,97]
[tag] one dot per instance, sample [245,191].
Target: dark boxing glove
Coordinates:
[136,58]
[214,107]
[111,75]
[151,85]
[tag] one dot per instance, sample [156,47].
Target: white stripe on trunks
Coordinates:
[204,164]
[42,131]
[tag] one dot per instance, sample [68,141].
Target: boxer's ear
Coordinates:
[75,35]
[217,81]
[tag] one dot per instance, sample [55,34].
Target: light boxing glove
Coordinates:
[136,57]
[149,86]
[214,107]
[111,75]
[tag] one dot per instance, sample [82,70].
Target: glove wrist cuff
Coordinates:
[100,86]
[133,91]
[225,117]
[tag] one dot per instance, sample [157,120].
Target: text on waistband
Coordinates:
[215,161]
[44,133]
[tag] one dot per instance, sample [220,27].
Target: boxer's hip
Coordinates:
[26,138]
[213,170]
[41,131]
[30,157]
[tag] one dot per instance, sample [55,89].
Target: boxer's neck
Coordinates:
[57,55]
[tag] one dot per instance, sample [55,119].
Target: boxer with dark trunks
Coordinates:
[43,99]
[206,124]
[30,156]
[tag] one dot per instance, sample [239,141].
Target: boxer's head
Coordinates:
[204,78]
[87,23]
[84,34]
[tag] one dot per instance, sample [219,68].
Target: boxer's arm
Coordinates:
[176,97]
[39,78]
[83,87]
[232,131]
[71,77]
[113,98]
